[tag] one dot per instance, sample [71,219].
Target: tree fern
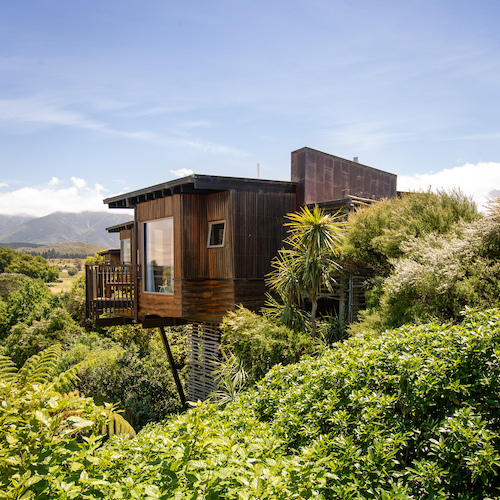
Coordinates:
[8,370]
[39,369]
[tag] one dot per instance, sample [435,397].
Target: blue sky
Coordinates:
[98,98]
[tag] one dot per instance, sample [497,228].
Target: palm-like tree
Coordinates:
[307,268]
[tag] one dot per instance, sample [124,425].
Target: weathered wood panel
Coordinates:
[168,306]
[250,293]
[220,260]
[202,298]
[155,209]
[198,261]
[125,234]
[193,238]
[259,231]
[323,177]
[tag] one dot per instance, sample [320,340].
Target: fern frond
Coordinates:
[117,425]
[66,380]
[39,368]
[8,370]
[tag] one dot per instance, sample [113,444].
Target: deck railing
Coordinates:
[110,290]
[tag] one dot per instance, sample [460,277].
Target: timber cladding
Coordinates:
[259,230]
[198,261]
[125,234]
[210,281]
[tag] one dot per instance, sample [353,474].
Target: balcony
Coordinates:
[110,294]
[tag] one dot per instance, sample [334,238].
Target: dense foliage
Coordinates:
[31,302]
[437,275]
[128,367]
[409,415]
[259,343]
[12,261]
[375,234]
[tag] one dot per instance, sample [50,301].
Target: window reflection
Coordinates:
[159,256]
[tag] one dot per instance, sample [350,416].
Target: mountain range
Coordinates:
[61,227]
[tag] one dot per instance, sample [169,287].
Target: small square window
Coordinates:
[216,234]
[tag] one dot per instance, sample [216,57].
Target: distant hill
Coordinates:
[70,250]
[7,221]
[61,227]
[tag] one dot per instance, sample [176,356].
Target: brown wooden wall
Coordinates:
[258,230]
[210,281]
[125,234]
[198,261]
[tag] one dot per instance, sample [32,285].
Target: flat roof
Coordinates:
[120,227]
[198,184]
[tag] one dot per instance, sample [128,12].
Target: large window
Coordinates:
[159,256]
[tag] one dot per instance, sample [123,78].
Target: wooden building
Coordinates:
[202,245]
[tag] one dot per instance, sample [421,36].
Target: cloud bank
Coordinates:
[481,181]
[43,201]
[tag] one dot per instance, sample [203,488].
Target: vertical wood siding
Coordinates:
[258,230]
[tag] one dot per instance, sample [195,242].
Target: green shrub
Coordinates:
[138,380]
[24,341]
[375,234]
[30,303]
[438,276]
[74,301]
[260,343]
[12,261]
[72,270]
[408,415]
[10,282]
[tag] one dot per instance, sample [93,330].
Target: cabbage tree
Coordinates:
[307,268]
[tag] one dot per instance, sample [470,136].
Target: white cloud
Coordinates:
[3,184]
[78,182]
[481,181]
[54,181]
[40,202]
[182,172]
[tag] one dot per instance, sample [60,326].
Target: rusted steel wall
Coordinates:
[324,177]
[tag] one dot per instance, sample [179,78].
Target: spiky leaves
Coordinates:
[307,268]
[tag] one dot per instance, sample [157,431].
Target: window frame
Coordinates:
[144,257]
[211,224]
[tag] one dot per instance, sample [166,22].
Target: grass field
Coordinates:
[66,281]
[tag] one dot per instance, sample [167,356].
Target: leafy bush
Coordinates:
[10,282]
[260,343]
[12,261]
[408,415]
[438,276]
[72,270]
[47,440]
[32,302]
[24,341]
[74,301]
[138,380]
[376,233]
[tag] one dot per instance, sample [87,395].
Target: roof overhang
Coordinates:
[120,227]
[198,184]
